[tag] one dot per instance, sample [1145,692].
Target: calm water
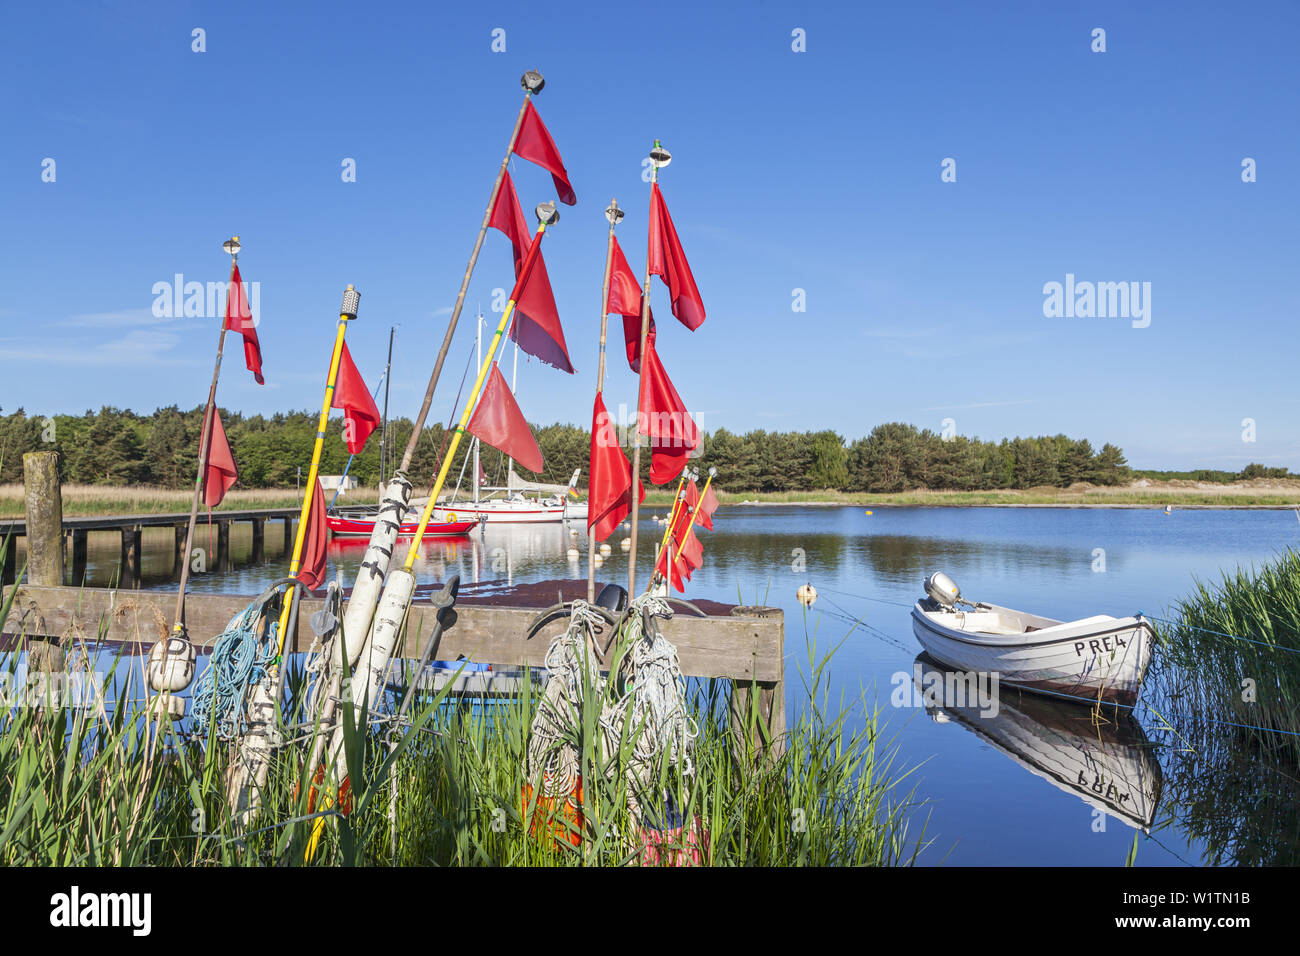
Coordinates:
[1006,792]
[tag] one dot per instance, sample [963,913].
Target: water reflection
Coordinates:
[1107,762]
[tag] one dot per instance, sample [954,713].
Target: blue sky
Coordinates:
[817,170]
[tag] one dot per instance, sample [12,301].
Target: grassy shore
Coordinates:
[88,500]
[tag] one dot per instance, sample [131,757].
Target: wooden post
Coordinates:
[178,550]
[78,556]
[259,540]
[223,546]
[44,518]
[130,560]
[758,707]
[288,534]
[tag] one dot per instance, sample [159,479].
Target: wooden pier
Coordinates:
[742,644]
[131,528]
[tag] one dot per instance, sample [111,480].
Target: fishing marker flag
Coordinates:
[536,325]
[239,318]
[497,421]
[315,543]
[608,498]
[534,144]
[668,262]
[625,300]
[662,415]
[221,472]
[704,511]
[360,414]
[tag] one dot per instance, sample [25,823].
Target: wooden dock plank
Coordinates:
[18,526]
[742,647]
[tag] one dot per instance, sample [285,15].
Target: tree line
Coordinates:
[118,447]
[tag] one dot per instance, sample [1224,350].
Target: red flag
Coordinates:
[625,300]
[239,318]
[536,326]
[662,415]
[708,505]
[668,262]
[534,144]
[683,532]
[221,472]
[360,414]
[315,543]
[497,421]
[608,498]
[682,569]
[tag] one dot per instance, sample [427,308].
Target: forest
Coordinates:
[118,447]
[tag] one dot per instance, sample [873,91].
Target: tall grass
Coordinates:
[97,787]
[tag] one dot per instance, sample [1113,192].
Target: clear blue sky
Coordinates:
[817,170]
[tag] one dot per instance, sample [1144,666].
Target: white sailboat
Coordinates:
[519,502]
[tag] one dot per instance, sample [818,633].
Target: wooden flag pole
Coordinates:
[351,299]
[532,82]
[547,215]
[614,215]
[658,157]
[231,246]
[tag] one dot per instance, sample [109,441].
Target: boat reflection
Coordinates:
[1108,763]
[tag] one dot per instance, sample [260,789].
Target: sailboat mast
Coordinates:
[478,353]
[383,435]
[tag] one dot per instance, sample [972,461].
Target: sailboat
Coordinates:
[520,501]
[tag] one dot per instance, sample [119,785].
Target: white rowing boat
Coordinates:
[1100,658]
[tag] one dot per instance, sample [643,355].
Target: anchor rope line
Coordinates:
[241,658]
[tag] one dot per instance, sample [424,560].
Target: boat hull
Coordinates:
[509,512]
[356,527]
[1098,659]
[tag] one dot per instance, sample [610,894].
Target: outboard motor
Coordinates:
[942,589]
[612,598]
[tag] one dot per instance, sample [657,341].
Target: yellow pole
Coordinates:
[533,250]
[677,500]
[350,297]
[690,530]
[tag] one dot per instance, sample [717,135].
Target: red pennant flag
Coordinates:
[704,512]
[683,532]
[315,543]
[221,472]
[681,569]
[625,300]
[608,498]
[239,318]
[360,414]
[662,415]
[534,144]
[536,327]
[497,421]
[668,262]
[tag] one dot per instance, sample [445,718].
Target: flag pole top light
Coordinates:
[532,81]
[547,213]
[231,246]
[351,299]
[660,156]
[613,213]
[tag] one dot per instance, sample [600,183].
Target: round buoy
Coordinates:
[868,514]
[626,544]
[573,554]
[605,549]
[176,672]
[806,595]
[597,560]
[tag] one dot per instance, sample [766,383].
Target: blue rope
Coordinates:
[239,660]
[1206,630]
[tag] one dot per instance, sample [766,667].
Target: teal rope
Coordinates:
[240,659]
[1206,630]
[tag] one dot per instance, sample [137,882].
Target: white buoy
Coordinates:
[806,595]
[170,668]
[605,549]
[626,543]
[573,554]
[597,561]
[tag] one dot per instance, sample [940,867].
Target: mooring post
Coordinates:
[44,502]
[130,560]
[259,540]
[758,707]
[177,548]
[44,518]
[288,534]
[223,545]
[78,556]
